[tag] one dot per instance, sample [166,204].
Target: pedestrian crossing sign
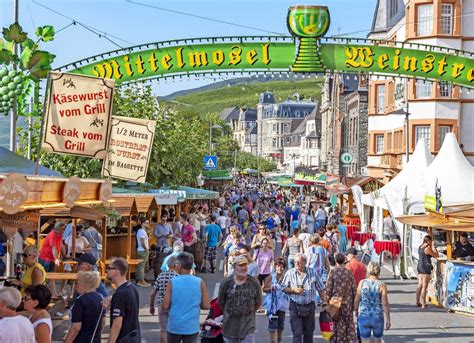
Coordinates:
[210,162]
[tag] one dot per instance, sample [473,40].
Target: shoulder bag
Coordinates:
[333,307]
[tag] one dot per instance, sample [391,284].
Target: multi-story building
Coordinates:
[243,122]
[275,122]
[434,108]
[301,146]
[343,102]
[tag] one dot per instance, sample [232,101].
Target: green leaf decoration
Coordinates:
[6,56]
[25,57]
[14,33]
[45,33]
[40,63]
[29,43]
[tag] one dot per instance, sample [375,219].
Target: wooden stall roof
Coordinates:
[453,218]
[125,205]
[81,212]
[144,201]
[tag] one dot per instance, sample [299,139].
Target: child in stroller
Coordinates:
[211,329]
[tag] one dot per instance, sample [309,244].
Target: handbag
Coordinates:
[333,307]
[98,246]
[304,310]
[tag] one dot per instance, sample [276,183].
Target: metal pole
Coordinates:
[407,133]
[13,114]
[210,137]
[40,137]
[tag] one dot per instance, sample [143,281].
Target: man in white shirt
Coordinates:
[222,222]
[221,201]
[143,252]
[13,327]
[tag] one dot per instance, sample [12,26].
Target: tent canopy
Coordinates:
[409,178]
[198,193]
[452,172]
[13,163]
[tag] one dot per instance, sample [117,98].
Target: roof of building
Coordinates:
[249,114]
[266,98]
[301,128]
[312,134]
[386,15]
[231,113]
[295,124]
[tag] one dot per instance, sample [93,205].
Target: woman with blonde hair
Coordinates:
[34,273]
[371,302]
[87,313]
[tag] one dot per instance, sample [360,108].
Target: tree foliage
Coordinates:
[181,141]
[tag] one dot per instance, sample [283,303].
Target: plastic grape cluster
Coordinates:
[11,86]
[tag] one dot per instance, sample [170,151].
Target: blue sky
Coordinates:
[132,23]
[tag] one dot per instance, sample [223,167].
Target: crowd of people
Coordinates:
[281,255]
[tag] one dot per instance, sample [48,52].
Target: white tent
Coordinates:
[390,197]
[453,173]
[410,178]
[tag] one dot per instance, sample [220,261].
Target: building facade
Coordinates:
[276,122]
[434,108]
[343,120]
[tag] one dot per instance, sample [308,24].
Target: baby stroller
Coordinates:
[211,329]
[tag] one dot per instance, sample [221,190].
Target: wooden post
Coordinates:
[129,237]
[73,247]
[449,245]
[350,204]
[178,211]
[104,245]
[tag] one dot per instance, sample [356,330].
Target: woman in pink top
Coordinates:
[264,258]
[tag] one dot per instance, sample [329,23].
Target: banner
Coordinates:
[397,61]
[278,56]
[77,115]
[130,145]
[193,58]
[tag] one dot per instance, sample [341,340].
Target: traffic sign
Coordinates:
[210,162]
[346,158]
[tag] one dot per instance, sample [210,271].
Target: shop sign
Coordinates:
[13,193]
[180,195]
[166,198]
[22,220]
[431,203]
[131,142]
[78,110]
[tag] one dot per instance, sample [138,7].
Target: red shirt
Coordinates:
[358,269]
[52,239]
[187,233]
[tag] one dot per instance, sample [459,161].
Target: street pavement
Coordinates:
[409,323]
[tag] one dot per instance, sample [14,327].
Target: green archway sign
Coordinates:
[308,51]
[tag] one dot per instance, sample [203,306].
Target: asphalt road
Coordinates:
[409,323]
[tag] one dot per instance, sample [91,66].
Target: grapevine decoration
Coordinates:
[19,73]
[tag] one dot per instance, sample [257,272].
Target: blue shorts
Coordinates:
[370,326]
[277,323]
[48,266]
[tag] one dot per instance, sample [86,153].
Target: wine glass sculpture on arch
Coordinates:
[308,24]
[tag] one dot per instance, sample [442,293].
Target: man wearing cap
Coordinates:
[355,266]
[178,248]
[87,262]
[240,296]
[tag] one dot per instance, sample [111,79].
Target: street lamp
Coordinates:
[215,126]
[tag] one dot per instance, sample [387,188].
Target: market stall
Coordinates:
[120,238]
[452,282]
